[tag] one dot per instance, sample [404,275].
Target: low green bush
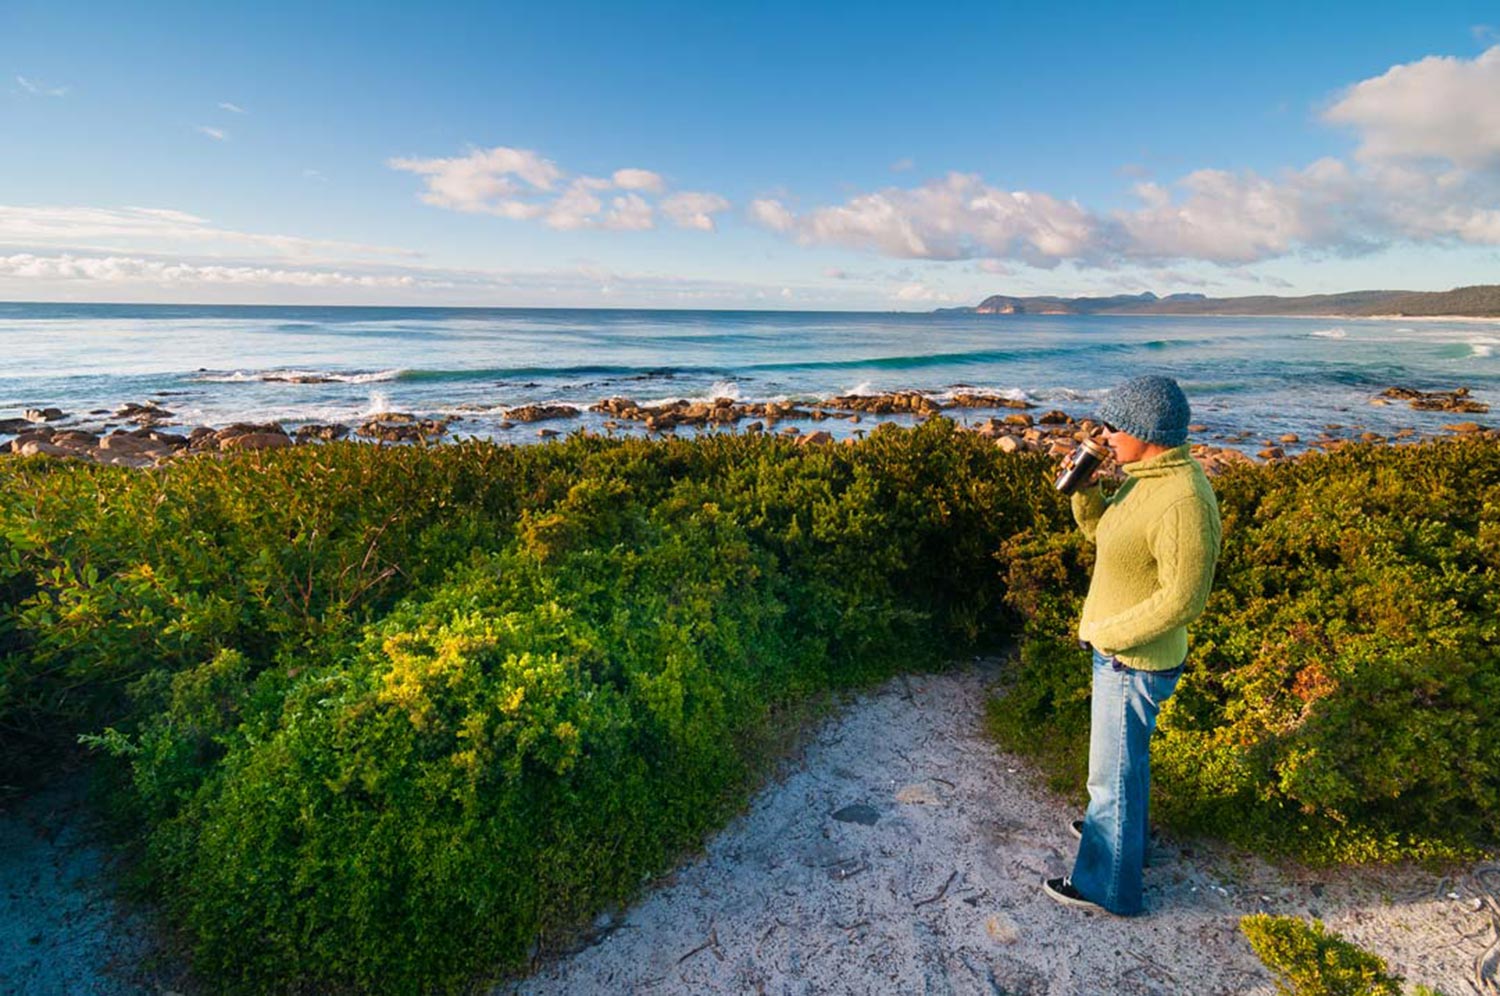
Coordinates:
[1336,700]
[1310,960]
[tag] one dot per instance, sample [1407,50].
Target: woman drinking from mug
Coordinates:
[1157,540]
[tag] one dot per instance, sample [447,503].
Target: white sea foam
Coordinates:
[1334,333]
[299,376]
[1483,345]
[378,403]
[1012,393]
[1068,394]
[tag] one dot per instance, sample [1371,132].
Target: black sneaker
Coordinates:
[1076,829]
[1061,890]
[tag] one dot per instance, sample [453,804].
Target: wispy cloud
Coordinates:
[903,165]
[217,134]
[139,276]
[134,228]
[920,292]
[38,89]
[1427,170]
[225,105]
[522,185]
[135,269]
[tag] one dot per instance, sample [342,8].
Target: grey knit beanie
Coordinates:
[1152,409]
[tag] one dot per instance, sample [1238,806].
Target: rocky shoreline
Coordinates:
[47,431]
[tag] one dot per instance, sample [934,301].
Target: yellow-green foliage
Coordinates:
[389,717]
[1338,700]
[1309,960]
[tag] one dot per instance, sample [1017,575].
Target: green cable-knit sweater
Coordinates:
[1158,541]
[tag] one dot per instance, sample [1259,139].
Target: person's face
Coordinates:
[1125,447]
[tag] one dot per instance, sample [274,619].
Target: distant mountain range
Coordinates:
[1481,301]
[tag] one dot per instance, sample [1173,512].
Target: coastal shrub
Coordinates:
[496,762]
[109,574]
[1336,701]
[1310,960]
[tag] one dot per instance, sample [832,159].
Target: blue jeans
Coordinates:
[1113,850]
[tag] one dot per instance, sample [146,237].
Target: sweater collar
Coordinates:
[1163,463]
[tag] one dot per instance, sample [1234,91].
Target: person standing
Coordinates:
[1157,540]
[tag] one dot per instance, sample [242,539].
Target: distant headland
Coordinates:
[1481,301]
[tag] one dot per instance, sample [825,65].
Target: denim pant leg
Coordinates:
[1108,869]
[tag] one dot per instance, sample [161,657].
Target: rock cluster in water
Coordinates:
[1456,400]
[397,427]
[1053,433]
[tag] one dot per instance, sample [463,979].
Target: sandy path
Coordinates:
[940,894]
[63,928]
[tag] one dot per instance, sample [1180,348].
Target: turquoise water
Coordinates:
[216,365]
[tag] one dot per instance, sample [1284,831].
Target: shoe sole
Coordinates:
[1082,904]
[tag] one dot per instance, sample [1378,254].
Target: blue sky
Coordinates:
[768,155]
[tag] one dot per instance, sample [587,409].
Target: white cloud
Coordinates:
[225,105]
[639,179]
[957,217]
[576,208]
[772,214]
[1439,107]
[483,182]
[217,134]
[903,165]
[520,185]
[691,209]
[37,89]
[78,228]
[630,211]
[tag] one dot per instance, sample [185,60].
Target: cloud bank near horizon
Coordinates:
[1426,169]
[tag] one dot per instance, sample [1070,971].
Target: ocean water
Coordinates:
[217,365]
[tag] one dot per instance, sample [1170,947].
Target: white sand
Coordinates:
[63,928]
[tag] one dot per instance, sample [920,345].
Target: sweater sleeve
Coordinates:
[1185,546]
[1088,509]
